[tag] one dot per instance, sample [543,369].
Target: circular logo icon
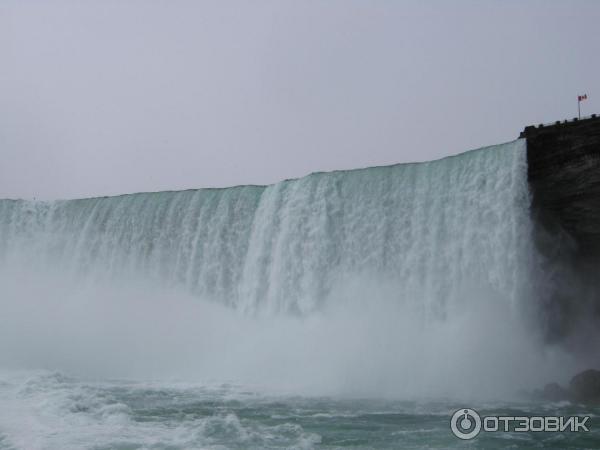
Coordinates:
[465,423]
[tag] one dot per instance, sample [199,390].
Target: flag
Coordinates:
[582,97]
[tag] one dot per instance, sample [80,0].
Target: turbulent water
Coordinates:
[339,309]
[49,410]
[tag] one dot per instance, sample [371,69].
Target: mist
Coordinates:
[366,342]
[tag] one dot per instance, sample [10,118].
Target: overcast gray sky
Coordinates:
[110,97]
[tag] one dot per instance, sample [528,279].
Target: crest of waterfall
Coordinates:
[429,228]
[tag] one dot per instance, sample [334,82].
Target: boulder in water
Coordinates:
[585,386]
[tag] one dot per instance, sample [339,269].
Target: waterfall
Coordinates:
[431,228]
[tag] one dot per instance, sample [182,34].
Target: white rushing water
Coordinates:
[431,228]
[412,281]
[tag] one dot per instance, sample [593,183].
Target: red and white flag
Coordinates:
[582,97]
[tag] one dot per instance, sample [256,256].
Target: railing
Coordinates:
[558,122]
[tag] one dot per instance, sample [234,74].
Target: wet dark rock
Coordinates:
[585,386]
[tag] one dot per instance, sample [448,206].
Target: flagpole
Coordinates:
[578,107]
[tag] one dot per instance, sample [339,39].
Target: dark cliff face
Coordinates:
[564,178]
